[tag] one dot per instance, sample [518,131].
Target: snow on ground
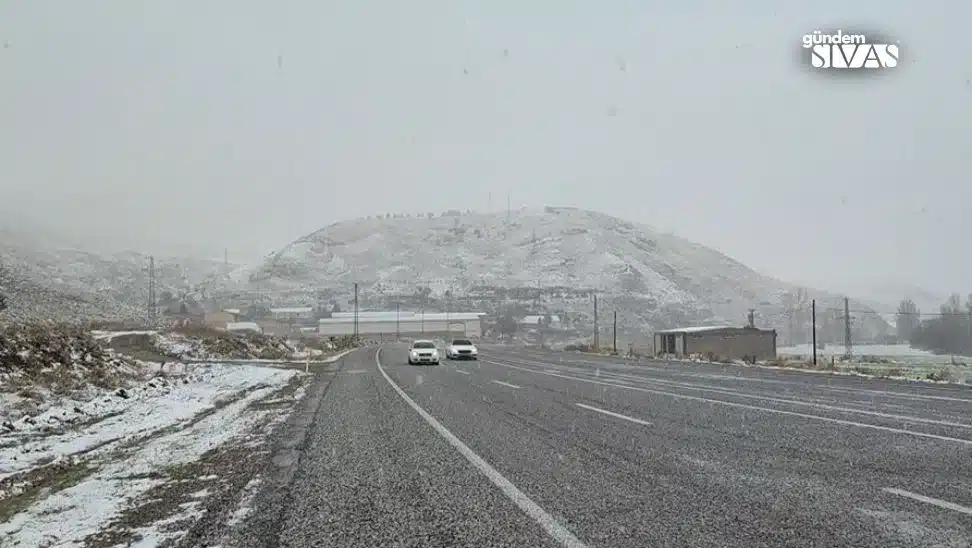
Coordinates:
[138,410]
[892,360]
[108,336]
[121,446]
[232,347]
[902,351]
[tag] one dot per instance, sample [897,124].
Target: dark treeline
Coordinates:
[947,331]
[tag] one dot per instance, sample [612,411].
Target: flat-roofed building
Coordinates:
[734,343]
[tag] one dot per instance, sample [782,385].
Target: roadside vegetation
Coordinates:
[58,358]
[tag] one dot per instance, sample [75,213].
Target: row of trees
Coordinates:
[430,215]
[949,331]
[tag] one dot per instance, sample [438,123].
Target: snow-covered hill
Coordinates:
[656,279]
[42,278]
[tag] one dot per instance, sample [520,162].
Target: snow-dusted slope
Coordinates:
[555,247]
[42,278]
[567,247]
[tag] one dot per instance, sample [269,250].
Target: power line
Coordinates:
[876,313]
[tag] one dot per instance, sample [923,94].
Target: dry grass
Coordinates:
[59,358]
[944,374]
[115,325]
[39,483]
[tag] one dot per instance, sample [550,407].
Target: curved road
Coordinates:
[531,448]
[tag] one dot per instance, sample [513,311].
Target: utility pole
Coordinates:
[398,320]
[848,346]
[596,341]
[813,314]
[615,331]
[151,295]
[356,313]
[751,318]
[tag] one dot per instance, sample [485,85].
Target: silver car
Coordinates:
[462,349]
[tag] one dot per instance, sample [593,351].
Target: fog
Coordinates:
[194,127]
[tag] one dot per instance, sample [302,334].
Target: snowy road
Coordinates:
[522,448]
[529,448]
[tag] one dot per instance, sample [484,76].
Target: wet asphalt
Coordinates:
[565,448]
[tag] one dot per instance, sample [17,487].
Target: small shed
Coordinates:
[734,343]
[244,326]
[219,318]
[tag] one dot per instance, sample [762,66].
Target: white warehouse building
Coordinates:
[388,325]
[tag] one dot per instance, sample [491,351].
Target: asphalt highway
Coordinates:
[531,448]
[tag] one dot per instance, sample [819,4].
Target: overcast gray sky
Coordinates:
[183,126]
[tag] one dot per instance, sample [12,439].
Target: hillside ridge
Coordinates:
[657,278]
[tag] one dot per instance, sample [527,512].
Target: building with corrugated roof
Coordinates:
[718,342]
[292,313]
[407,324]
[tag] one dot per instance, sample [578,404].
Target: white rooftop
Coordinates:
[699,329]
[292,310]
[410,317]
[537,319]
[243,326]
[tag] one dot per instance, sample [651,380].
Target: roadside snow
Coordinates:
[72,514]
[899,351]
[152,405]
[108,336]
[176,346]
[245,507]
[898,361]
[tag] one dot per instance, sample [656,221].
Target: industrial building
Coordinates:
[719,342]
[406,324]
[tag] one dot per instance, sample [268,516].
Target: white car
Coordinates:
[423,351]
[462,349]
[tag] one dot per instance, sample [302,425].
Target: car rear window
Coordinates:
[461,342]
[423,345]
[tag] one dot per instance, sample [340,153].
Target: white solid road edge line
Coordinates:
[549,524]
[461,371]
[613,414]
[506,384]
[929,500]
